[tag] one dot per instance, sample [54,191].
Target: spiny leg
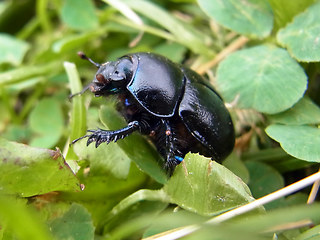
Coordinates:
[99,136]
[173,155]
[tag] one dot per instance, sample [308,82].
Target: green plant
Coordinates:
[118,191]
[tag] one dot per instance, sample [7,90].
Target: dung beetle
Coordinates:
[176,107]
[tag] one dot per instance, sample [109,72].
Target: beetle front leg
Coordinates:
[99,136]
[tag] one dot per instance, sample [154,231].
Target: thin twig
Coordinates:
[236,44]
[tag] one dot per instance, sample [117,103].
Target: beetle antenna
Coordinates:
[81,92]
[83,56]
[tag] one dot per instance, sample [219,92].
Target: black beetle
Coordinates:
[175,106]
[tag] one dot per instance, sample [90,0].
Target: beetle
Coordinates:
[175,106]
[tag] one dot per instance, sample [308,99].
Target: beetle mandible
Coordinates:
[176,107]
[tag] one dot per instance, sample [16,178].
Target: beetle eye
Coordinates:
[101,78]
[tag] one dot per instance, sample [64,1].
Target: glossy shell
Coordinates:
[205,116]
[157,84]
[162,87]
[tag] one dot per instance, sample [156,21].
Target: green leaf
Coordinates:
[298,198]
[264,78]
[5,118]
[224,232]
[135,146]
[12,49]
[46,120]
[174,51]
[78,113]
[17,133]
[29,171]
[79,15]
[72,42]
[299,141]
[285,10]
[20,74]
[278,217]
[248,17]
[29,83]
[234,164]
[105,159]
[277,158]
[173,219]
[220,231]
[301,37]
[303,112]
[74,224]
[264,180]
[311,234]
[206,187]
[141,203]
[21,221]
[106,188]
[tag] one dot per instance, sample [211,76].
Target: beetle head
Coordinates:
[112,77]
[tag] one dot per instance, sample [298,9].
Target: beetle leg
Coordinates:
[99,136]
[172,158]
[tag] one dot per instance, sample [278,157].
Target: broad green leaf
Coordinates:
[234,164]
[46,120]
[21,221]
[107,188]
[74,224]
[248,17]
[29,171]
[264,180]
[17,133]
[301,37]
[79,15]
[106,158]
[135,146]
[264,78]
[303,112]
[298,198]
[206,187]
[184,34]
[141,203]
[285,10]
[12,49]
[299,141]
[277,158]
[311,234]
